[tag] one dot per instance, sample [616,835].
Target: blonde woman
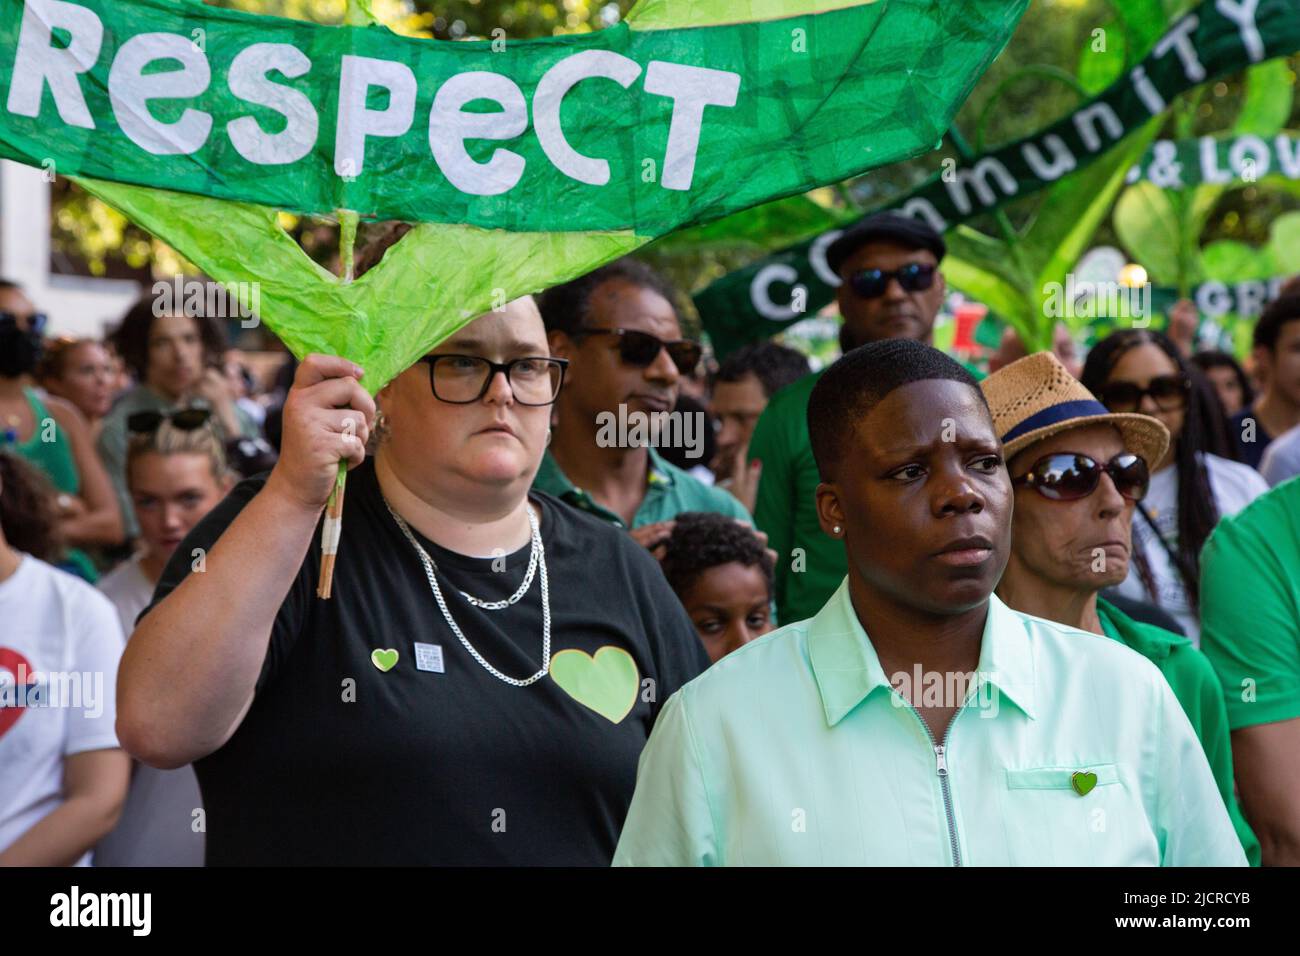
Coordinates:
[176,473]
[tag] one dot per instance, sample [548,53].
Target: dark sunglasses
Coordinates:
[35,322]
[872,283]
[1068,476]
[640,349]
[1169,392]
[186,419]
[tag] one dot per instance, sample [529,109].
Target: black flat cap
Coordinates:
[888,227]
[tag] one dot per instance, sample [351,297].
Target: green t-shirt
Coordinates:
[1250,607]
[1195,684]
[669,492]
[810,564]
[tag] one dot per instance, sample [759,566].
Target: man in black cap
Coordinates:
[890,288]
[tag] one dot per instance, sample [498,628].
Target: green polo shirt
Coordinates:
[669,491]
[1250,607]
[796,750]
[1195,684]
[810,564]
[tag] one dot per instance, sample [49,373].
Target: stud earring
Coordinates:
[836,529]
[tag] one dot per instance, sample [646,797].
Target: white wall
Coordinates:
[76,305]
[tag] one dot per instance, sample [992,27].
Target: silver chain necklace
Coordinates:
[536,559]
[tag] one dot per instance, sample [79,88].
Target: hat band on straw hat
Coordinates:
[1055,414]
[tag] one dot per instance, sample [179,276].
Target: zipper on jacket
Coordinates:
[941,768]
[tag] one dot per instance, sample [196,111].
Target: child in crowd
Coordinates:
[723,576]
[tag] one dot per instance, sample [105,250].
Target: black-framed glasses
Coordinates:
[872,283]
[1069,476]
[36,322]
[1169,392]
[463,379]
[186,419]
[640,349]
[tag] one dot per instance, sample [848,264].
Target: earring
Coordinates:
[836,529]
[548,437]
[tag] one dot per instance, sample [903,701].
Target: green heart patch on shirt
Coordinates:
[606,683]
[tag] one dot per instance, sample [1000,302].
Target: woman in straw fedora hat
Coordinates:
[1078,471]
[1192,486]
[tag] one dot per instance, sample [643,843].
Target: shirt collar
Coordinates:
[659,473]
[847,670]
[552,476]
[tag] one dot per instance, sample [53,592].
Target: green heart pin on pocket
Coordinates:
[384,658]
[1083,781]
[606,683]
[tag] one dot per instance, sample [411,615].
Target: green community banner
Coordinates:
[1210,160]
[1217,38]
[1228,312]
[525,162]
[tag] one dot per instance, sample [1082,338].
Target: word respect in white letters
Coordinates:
[40,63]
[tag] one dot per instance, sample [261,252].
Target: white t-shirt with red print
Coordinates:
[60,643]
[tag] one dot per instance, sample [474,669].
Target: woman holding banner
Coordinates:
[461,699]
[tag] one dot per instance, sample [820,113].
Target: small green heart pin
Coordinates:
[385,659]
[1083,781]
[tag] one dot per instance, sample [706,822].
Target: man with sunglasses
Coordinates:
[621,334]
[1078,471]
[890,288]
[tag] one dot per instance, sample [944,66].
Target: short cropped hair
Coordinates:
[860,380]
[566,307]
[1279,312]
[706,539]
[775,366]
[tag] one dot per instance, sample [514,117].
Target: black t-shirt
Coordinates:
[341,762]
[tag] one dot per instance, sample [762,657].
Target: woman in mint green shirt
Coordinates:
[916,719]
[1071,534]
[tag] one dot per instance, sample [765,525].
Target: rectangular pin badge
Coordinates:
[428,657]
